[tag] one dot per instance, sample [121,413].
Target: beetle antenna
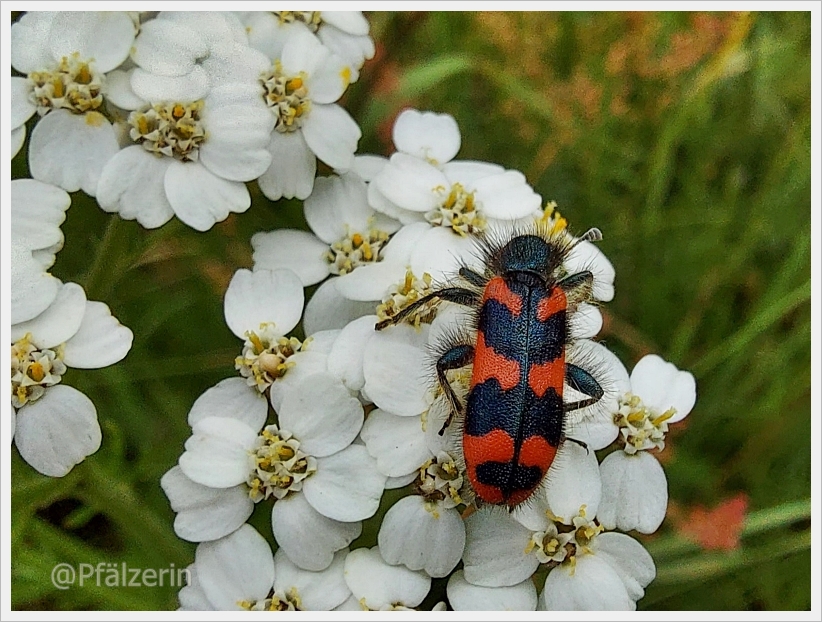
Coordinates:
[592,235]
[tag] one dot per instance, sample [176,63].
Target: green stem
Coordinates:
[756,326]
[755,523]
[101,261]
[711,565]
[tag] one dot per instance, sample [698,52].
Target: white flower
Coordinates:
[425,531]
[635,491]
[380,587]
[55,426]
[238,572]
[348,233]
[191,159]
[606,571]
[65,57]
[322,485]
[345,33]
[37,211]
[465,596]
[457,198]
[300,89]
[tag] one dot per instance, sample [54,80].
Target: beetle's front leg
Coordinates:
[456,357]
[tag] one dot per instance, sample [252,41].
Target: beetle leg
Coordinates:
[456,357]
[580,380]
[578,287]
[472,277]
[578,442]
[459,295]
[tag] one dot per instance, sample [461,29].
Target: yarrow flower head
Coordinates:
[66,57]
[197,129]
[636,490]
[300,88]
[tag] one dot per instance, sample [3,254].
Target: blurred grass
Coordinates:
[684,137]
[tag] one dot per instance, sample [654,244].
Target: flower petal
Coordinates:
[261,297]
[329,309]
[231,398]
[506,195]
[30,37]
[441,253]
[167,48]
[629,558]
[105,36]
[37,211]
[57,431]
[467,172]
[216,454]
[200,198]
[345,360]
[32,290]
[427,135]
[59,322]
[318,591]
[422,536]
[131,184]
[332,134]
[464,596]
[70,150]
[236,568]
[586,256]
[293,165]
[397,443]
[495,547]
[205,513]
[351,22]
[661,386]
[347,485]
[307,537]
[396,370]
[564,591]
[410,182]
[18,137]
[303,364]
[573,481]
[100,341]
[299,251]
[119,92]
[151,87]
[322,414]
[379,585]
[21,106]
[634,492]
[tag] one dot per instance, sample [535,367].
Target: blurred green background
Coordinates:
[685,137]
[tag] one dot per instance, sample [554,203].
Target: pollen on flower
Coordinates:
[457,210]
[641,428]
[550,220]
[33,370]
[278,465]
[275,601]
[265,356]
[440,479]
[74,85]
[286,96]
[356,249]
[407,291]
[312,19]
[170,129]
[549,545]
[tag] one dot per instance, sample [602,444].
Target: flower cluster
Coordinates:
[170,115]
[173,114]
[318,428]
[53,328]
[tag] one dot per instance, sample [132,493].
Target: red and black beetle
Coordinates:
[514,416]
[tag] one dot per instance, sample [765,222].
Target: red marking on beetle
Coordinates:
[537,452]
[496,446]
[543,376]
[497,289]
[554,303]
[490,364]
[518,496]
